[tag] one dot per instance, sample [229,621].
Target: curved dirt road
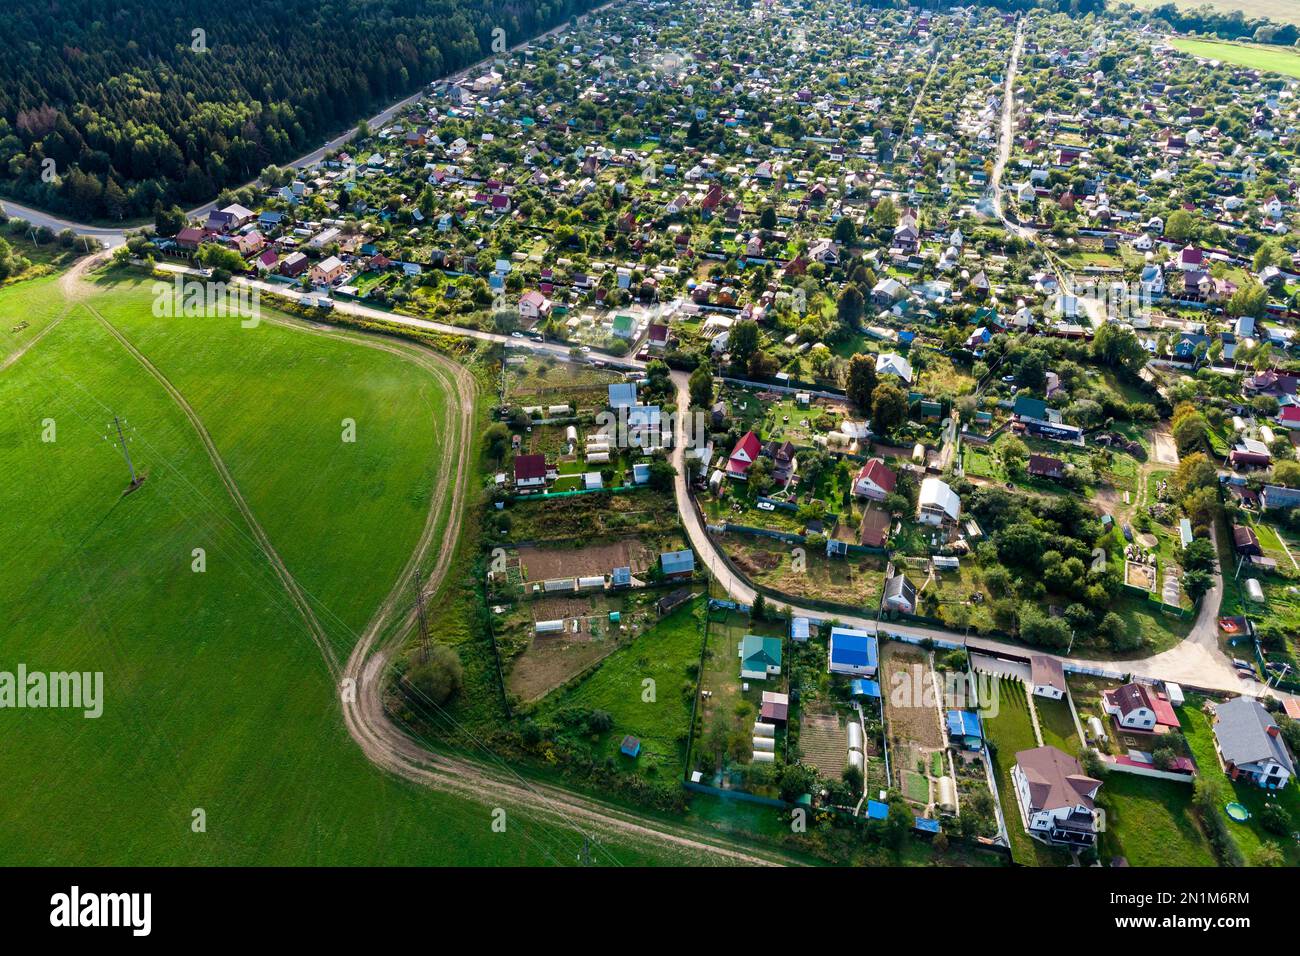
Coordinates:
[490,781]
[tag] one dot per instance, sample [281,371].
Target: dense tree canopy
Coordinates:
[133,106]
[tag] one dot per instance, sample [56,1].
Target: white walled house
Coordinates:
[1250,744]
[1046,677]
[938,503]
[1056,797]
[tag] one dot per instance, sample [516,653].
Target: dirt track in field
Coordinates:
[489,781]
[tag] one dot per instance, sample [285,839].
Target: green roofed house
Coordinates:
[760,657]
[623,326]
[1027,407]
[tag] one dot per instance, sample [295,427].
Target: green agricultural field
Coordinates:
[318,496]
[1280,11]
[27,309]
[215,699]
[1273,59]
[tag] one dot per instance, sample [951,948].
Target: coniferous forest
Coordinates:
[138,102]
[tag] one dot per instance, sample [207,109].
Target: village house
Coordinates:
[938,504]
[875,480]
[1056,797]
[760,657]
[1046,676]
[530,472]
[1140,707]
[855,653]
[327,271]
[1250,744]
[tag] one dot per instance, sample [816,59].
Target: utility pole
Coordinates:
[126,453]
[422,620]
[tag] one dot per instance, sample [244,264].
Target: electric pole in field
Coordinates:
[121,442]
[422,620]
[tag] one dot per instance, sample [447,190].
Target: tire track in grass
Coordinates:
[385,744]
[290,584]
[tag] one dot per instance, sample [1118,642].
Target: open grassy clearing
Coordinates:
[855,582]
[319,496]
[215,696]
[1273,59]
[659,713]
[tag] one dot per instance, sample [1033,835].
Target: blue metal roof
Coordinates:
[877,810]
[621,394]
[865,688]
[927,826]
[963,723]
[853,648]
[677,562]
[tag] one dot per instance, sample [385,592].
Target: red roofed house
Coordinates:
[1190,259]
[530,471]
[743,455]
[658,336]
[1139,707]
[1289,416]
[875,480]
[189,238]
[533,305]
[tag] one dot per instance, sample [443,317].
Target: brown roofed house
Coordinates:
[1056,797]
[1046,676]
[1045,466]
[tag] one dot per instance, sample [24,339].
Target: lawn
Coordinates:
[1272,59]
[1057,724]
[1249,835]
[1011,731]
[215,698]
[1151,823]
